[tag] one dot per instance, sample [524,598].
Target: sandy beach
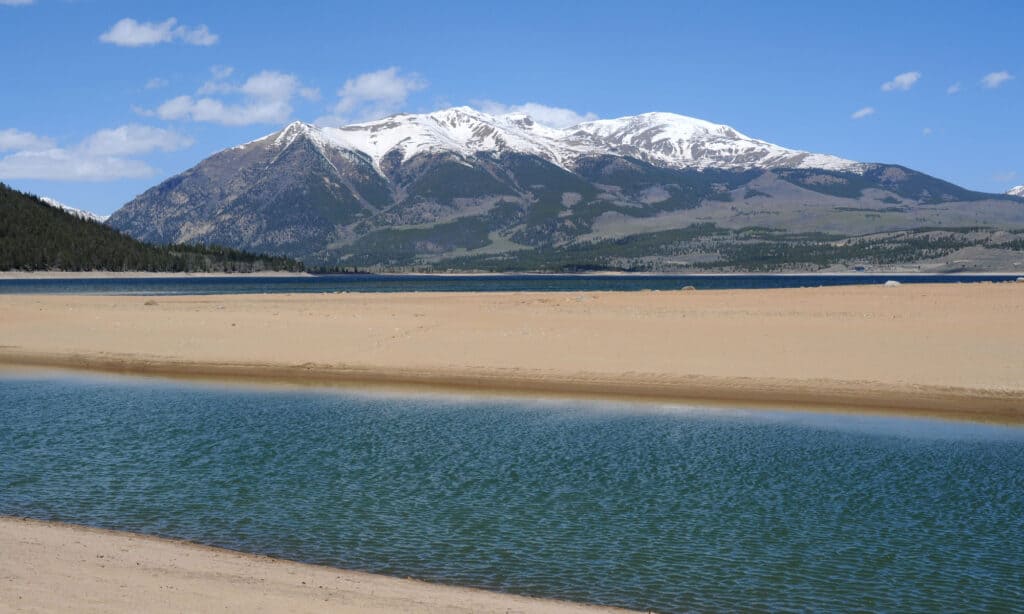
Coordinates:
[955,350]
[51,567]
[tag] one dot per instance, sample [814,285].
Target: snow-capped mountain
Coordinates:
[1016,191]
[80,213]
[459,184]
[662,139]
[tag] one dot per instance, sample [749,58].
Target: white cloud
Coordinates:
[134,139]
[902,81]
[953,89]
[100,157]
[131,33]
[373,95]
[556,117]
[215,111]
[156,83]
[995,79]
[65,165]
[17,140]
[15,2]
[862,113]
[199,36]
[266,99]
[270,84]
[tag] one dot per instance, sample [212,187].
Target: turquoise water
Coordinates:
[668,508]
[255,284]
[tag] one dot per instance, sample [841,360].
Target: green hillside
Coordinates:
[37,237]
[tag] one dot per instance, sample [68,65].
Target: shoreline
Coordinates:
[836,396]
[56,566]
[944,350]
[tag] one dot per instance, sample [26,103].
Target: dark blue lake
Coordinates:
[668,508]
[456,283]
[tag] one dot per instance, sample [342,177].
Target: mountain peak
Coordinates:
[296,130]
[1016,191]
[299,126]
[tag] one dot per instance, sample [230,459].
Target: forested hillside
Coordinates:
[37,237]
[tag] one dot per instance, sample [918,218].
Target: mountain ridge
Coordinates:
[674,140]
[459,188]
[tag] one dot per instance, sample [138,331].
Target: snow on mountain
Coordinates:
[662,139]
[85,215]
[686,142]
[1016,191]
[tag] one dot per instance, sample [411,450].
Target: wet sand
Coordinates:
[954,350]
[52,567]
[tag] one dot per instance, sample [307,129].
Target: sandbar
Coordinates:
[950,350]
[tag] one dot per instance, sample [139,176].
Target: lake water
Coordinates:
[456,283]
[663,507]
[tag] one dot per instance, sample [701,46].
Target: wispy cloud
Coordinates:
[131,33]
[994,79]
[902,81]
[15,2]
[103,156]
[556,117]
[953,89]
[17,140]
[373,95]
[217,83]
[266,98]
[926,131]
[862,113]
[156,83]
[1005,176]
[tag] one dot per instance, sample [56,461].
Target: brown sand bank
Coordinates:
[50,567]
[950,349]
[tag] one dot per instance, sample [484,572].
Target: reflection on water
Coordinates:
[647,507]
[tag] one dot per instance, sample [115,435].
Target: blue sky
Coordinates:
[96,109]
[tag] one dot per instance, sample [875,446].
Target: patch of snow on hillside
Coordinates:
[85,215]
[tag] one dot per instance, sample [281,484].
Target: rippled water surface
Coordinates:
[668,508]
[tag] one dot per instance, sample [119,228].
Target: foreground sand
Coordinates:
[49,567]
[951,349]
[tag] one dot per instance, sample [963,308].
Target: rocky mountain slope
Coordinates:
[463,189]
[1016,191]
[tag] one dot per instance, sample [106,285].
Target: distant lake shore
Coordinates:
[147,274]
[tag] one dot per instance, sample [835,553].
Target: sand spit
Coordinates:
[955,350]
